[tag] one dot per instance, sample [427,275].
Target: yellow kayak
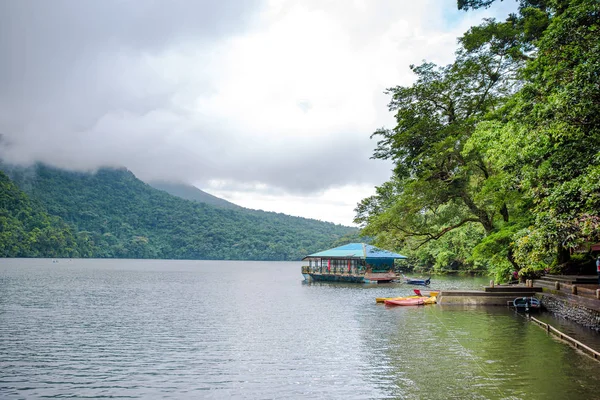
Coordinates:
[383,299]
[429,300]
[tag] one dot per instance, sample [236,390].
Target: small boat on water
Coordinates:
[426,293]
[417,301]
[411,301]
[417,281]
[527,304]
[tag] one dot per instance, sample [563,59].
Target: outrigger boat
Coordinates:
[416,281]
[527,304]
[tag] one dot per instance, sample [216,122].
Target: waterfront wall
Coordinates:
[472,298]
[563,307]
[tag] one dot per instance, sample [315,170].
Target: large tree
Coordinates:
[503,142]
[438,185]
[547,138]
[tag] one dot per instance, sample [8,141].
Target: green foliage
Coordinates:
[116,215]
[547,138]
[473,4]
[495,251]
[450,253]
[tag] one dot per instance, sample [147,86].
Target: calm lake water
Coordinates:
[219,330]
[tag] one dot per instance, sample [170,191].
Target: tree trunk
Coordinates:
[483,217]
[511,259]
[504,212]
[563,254]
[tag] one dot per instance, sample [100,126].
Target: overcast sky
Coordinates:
[268,104]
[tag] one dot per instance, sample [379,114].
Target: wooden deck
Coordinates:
[575,289]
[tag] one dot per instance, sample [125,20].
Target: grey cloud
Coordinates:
[303,167]
[317,165]
[80,88]
[43,42]
[67,64]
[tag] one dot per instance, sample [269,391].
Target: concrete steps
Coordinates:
[512,289]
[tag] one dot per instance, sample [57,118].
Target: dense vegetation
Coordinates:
[113,214]
[497,155]
[189,192]
[27,231]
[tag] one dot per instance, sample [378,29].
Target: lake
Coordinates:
[255,330]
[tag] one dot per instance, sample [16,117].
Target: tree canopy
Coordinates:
[500,147]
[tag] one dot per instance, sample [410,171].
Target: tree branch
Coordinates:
[429,236]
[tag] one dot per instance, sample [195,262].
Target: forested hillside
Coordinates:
[27,231]
[189,192]
[497,155]
[116,215]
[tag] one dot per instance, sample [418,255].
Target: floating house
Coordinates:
[354,262]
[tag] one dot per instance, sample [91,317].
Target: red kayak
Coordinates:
[419,301]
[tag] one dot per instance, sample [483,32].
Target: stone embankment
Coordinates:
[575,298]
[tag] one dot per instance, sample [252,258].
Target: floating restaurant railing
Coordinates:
[323,270]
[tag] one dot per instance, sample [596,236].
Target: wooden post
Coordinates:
[598,294]
[492,283]
[574,289]
[557,285]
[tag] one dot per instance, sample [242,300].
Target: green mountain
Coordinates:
[114,214]
[190,192]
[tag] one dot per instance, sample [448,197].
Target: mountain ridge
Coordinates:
[190,192]
[118,215]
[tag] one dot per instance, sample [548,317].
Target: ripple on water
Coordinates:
[145,329]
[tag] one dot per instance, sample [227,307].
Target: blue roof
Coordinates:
[356,250]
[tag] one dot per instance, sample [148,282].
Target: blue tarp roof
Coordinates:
[356,250]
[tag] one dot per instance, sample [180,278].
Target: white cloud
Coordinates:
[332,205]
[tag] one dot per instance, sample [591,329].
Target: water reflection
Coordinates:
[473,353]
